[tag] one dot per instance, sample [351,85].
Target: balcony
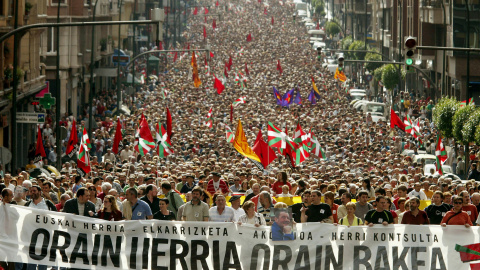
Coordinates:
[431,11]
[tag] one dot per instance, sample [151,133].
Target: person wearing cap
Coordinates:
[237,210]
[189,184]
[216,185]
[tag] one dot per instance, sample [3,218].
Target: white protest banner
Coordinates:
[49,238]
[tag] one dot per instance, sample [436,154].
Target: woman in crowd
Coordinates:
[389,208]
[164,213]
[244,186]
[350,219]
[456,216]
[250,216]
[282,179]
[368,188]
[93,197]
[110,209]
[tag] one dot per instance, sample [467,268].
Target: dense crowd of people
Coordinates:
[363,179]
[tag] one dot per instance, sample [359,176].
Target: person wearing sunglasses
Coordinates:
[457,216]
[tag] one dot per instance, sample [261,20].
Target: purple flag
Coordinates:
[311,97]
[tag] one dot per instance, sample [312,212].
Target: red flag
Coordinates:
[230,63]
[318,26]
[214,24]
[169,124]
[217,4]
[39,151]
[225,71]
[246,70]
[175,57]
[273,20]
[231,113]
[218,85]
[195,11]
[265,11]
[160,46]
[249,37]
[212,55]
[118,137]
[279,67]
[73,140]
[204,33]
[206,10]
[395,120]
[263,151]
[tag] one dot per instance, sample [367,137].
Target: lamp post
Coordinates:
[119,91]
[92,65]
[14,90]
[58,95]
[294,16]
[134,45]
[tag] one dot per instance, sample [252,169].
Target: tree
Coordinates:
[459,120]
[372,57]
[443,115]
[469,128]
[357,45]
[332,28]
[389,76]
[346,42]
[377,74]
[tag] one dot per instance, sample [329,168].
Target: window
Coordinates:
[51,46]
[55,2]
[2,9]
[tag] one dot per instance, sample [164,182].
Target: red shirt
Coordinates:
[223,187]
[420,219]
[59,207]
[277,187]
[335,212]
[459,219]
[471,211]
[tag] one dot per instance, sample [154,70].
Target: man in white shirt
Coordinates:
[109,156]
[417,192]
[221,212]
[237,210]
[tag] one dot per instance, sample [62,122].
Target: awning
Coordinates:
[106,72]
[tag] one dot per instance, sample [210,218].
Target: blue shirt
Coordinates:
[279,235]
[141,210]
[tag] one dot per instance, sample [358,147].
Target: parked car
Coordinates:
[377,110]
[428,167]
[429,159]
[411,153]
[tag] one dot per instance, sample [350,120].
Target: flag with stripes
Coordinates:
[440,151]
[239,101]
[315,147]
[164,146]
[86,140]
[145,139]
[229,134]
[83,160]
[209,121]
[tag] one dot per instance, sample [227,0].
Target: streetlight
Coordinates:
[294,16]
[92,87]
[119,92]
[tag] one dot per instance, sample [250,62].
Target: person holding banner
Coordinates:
[81,204]
[350,219]
[140,209]
[195,210]
[251,217]
[380,215]
[317,211]
[163,213]
[456,216]
[221,212]
[110,210]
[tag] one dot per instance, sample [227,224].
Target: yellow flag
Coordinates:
[196,79]
[340,76]
[241,145]
[315,86]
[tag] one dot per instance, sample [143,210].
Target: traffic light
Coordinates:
[340,63]
[410,46]
[319,54]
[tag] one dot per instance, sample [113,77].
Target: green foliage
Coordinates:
[389,76]
[358,45]
[477,135]
[459,120]
[373,57]
[377,74]
[346,42]
[468,130]
[443,115]
[332,28]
